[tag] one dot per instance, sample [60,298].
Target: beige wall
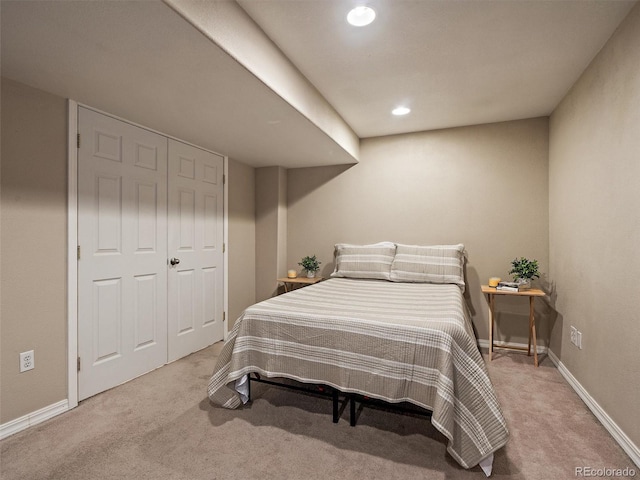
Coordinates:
[594,192]
[242,239]
[484,186]
[33,252]
[271,229]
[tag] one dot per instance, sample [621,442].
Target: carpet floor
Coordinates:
[162,426]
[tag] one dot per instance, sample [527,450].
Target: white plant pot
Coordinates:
[311,274]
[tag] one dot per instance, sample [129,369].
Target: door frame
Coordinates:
[72,241]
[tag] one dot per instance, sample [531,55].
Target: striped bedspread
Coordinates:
[391,341]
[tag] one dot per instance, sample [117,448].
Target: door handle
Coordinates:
[174,261]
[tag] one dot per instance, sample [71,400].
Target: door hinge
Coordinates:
[224,247]
[224,179]
[224,316]
[78,363]
[78,252]
[78,140]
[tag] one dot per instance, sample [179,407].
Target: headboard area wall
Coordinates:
[484,186]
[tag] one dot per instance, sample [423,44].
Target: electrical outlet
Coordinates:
[27,361]
[574,335]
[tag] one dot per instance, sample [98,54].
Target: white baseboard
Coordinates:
[616,432]
[484,344]
[33,418]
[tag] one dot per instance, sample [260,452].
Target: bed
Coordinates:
[383,337]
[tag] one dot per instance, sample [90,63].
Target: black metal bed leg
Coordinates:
[335,398]
[352,411]
[248,387]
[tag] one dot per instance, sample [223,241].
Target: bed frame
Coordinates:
[338,406]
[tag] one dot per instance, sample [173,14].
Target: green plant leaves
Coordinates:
[524,268]
[310,264]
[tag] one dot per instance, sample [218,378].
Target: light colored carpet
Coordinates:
[162,426]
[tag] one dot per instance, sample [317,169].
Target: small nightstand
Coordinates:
[289,283]
[531,294]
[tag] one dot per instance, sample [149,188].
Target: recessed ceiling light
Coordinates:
[400,111]
[361,16]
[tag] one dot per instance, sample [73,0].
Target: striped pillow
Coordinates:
[364,261]
[429,264]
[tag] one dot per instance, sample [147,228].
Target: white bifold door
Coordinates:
[150,282]
[195,243]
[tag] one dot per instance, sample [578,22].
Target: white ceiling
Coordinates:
[454,62]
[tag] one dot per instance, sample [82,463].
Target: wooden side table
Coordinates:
[531,293]
[289,283]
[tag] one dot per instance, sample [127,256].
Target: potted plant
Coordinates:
[311,265]
[524,270]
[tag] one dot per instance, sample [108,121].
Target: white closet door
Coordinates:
[195,241]
[122,233]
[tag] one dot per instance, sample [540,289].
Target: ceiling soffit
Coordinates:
[118,57]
